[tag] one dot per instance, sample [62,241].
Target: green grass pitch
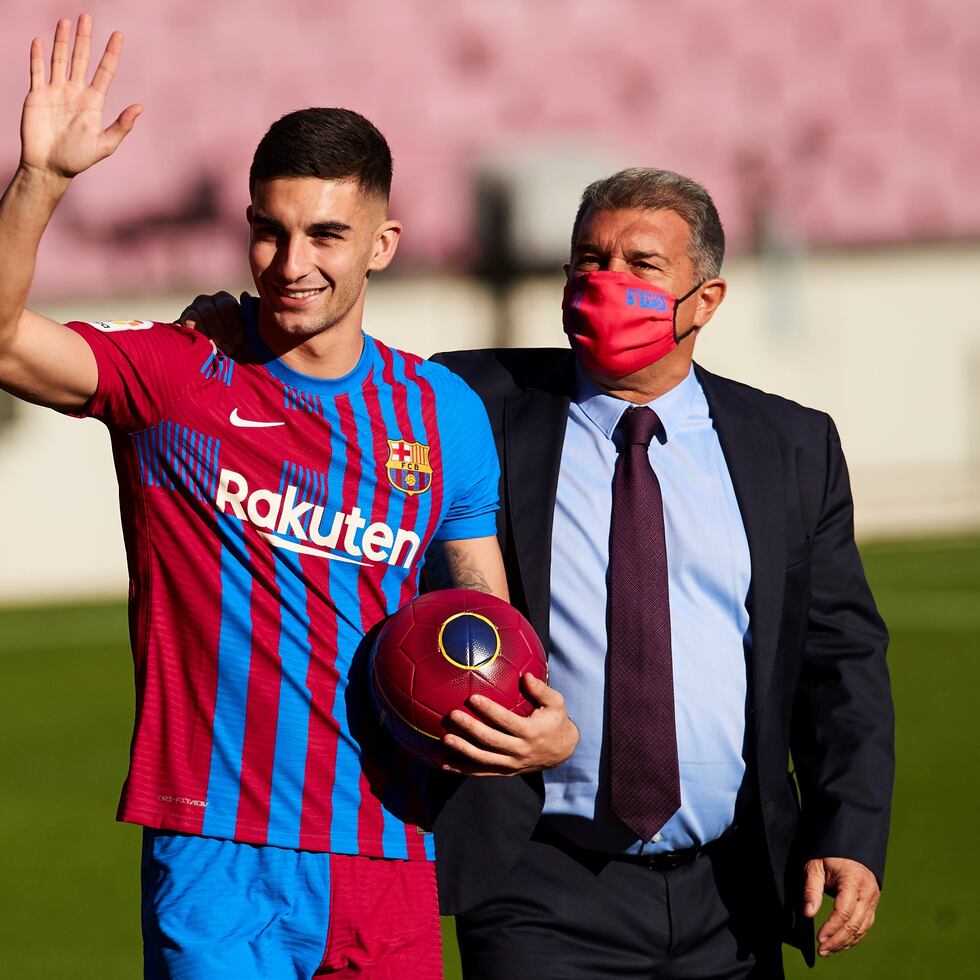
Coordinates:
[69,874]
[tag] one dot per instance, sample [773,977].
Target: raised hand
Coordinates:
[61,127]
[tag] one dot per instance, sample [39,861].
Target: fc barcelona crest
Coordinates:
[408,466]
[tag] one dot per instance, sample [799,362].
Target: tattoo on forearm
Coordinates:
[449,568]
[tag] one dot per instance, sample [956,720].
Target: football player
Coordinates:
[275,506]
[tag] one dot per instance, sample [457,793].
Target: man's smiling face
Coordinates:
[311,245]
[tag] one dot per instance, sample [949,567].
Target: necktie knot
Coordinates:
[638,426]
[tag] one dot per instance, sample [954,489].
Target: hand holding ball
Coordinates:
[437,651]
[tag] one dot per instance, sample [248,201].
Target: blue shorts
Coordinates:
[220,910]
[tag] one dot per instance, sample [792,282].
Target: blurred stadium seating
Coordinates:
[838,139]
[846,124]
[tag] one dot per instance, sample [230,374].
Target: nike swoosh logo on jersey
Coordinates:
[236,419]
[303,549]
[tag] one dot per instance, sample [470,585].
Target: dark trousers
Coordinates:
[568,914]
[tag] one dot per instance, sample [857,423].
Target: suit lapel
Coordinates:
[753,459]
[534,432]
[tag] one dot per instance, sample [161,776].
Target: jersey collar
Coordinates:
[297,379]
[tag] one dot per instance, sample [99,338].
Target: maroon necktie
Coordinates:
[644,778]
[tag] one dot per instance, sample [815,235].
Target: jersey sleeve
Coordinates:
[144,367]
[472,467]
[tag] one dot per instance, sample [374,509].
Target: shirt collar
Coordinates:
[604,411]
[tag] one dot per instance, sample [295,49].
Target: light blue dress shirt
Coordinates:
[709,572]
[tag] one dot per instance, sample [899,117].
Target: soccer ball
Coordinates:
[433,653]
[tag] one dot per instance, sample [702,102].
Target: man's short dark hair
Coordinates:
[652,190]
[329,144]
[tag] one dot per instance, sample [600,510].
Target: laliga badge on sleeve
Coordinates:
[114,326]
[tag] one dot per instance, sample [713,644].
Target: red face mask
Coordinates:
[618,324]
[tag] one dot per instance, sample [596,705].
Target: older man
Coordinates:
[684,546]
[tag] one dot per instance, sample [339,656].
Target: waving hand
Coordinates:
[61,135]
[61,127]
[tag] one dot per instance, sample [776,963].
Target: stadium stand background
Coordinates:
[839,140]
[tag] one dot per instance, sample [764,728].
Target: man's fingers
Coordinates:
[813,888]
[472,767]
[512,723]
[850,934]
[121,128]
[461,767]
[844,905]
[102,78]
[37,64]
[869,921]
[230,312]
[476,731]
[218,317]
[854,926]
[59,51]
[546,696]
[203,313]
[80,53]
[483,758]
[857,895]
[843,927]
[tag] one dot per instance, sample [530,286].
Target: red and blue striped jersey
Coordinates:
[271,519]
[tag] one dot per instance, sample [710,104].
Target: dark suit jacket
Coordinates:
[818,689]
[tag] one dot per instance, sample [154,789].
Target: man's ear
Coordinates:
[248,215]
[709,298]
[385,245]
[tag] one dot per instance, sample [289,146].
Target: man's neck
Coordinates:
[332,353]
[649,383]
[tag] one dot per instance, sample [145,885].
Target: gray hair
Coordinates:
[648,189]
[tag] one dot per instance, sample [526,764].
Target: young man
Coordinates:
[275,507]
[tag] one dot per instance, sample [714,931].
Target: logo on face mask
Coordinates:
[647,300]
[618,324]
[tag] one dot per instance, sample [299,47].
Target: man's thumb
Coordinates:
[813,889]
